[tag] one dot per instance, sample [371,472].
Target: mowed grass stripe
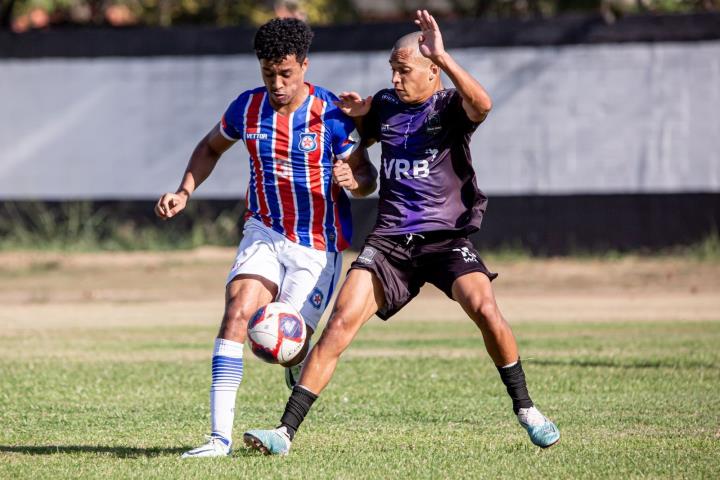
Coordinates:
[636,400]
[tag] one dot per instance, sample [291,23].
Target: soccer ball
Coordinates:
[276,333]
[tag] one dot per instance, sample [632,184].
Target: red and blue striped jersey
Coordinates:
[291,158]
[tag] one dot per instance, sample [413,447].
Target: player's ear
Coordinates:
[434,72]
[304,64]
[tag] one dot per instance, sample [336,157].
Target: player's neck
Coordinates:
[430,93]
[295,103]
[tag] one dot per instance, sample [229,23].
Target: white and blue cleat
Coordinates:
[214,447]
[542,431]
[269,442]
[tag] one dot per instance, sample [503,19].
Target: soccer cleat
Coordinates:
[543,432]
[292,375]
[269,442]
[214,447]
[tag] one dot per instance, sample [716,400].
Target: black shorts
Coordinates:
[404,263]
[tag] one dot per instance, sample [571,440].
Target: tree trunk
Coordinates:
[6,14]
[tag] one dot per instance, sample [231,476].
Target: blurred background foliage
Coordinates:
[24,15]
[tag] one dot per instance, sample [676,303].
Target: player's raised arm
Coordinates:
[201,164]
[356,173]
[476,101]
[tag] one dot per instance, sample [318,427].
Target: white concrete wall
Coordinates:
[582,119]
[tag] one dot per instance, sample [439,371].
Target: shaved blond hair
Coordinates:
[411,42]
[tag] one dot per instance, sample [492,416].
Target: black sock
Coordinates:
[298,405]
[514,380]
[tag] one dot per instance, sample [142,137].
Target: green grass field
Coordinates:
[118,388]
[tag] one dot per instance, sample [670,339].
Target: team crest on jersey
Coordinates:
[432,124]
[307,142]
[316,298]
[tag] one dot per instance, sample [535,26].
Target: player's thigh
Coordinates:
[309,281]
[257,255]
[254,290]
[455,267]
[472,289]
[254,279]
[475,295]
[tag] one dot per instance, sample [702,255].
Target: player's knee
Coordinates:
[488,311]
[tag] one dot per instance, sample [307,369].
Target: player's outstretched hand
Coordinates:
[170,205]
[353,105]
[343,175]
[431,43]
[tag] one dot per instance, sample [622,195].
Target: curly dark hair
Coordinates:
[281,37]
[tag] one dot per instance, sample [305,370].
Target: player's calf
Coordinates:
[337,335]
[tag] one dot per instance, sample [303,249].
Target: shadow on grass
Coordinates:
[119,452]
[630,364]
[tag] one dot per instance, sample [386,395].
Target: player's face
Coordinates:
[283,79]
[412,76]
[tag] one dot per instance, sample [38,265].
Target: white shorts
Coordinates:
[306,277]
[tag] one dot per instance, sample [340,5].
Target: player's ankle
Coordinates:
[296,409]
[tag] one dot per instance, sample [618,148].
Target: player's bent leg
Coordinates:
[360,296]
[474,293]
[244,295]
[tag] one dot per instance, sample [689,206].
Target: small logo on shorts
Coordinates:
[468,256]
[367,255]
[316,298]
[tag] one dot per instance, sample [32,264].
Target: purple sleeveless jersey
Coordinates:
[427,182]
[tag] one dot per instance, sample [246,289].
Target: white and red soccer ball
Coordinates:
[276,333]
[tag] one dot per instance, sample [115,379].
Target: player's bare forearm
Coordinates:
[476,101]
[202,161]
[201,164]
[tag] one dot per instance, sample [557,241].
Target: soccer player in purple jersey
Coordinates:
[429,204]
[303,152]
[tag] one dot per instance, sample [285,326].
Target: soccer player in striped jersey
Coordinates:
[303,151]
